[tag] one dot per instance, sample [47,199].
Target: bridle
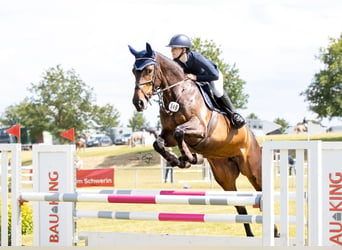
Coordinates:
[156,90]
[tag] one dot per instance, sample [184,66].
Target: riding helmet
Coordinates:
[180,41]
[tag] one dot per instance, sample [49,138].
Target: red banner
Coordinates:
[95,177]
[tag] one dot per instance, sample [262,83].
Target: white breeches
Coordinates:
[217,86]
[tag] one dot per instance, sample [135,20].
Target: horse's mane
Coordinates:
[171,65]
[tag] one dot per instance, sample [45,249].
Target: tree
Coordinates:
[137,121]
[324,94]
[233,84]
[283,124]
[60,101]
[252,116]
[107,116]
[32,116]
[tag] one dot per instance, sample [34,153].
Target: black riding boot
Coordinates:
[235,118]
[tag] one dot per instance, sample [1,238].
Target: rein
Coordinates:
[158,91]
[173,105]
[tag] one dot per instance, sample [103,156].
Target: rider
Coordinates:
[198,68]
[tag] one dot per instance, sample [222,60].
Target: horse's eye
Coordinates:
[149,71]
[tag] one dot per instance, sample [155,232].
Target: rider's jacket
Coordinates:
[204,69]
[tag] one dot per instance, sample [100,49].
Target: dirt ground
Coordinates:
[127,160]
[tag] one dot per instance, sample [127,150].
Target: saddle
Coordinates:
[209,98]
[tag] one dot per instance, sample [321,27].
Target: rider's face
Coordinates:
[176,52]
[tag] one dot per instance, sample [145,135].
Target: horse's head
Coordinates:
[145,72]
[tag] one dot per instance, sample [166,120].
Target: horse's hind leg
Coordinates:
[248,230]
[226,172]
[255,178]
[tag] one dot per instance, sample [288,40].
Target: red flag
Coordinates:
[15,130]
[69,134]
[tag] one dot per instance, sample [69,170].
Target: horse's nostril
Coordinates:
[141,104]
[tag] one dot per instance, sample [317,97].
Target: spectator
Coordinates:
[78,163]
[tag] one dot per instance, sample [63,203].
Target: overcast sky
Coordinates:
[273,43]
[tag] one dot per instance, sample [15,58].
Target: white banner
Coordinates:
[332,193]
[53,171]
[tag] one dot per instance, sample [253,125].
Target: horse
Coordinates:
[81,143]
[152,131]
[137,136]
[189,124]
[300,128]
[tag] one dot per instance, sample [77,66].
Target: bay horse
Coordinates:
[300,128]
[189,124]
[81,143]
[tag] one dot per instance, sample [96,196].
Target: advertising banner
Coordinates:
[53,171]
[95,177]
[332,193]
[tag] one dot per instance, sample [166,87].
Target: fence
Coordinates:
[54,173]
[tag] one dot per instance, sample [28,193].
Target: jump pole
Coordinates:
[142,199]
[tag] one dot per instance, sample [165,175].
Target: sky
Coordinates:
[273,43]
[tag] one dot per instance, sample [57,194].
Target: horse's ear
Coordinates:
[149,50]
[133,51]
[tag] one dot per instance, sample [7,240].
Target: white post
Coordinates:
[268,196]
[300,199]
[284,198]
[16,222]
[315,194]
[4,198]
[15,150]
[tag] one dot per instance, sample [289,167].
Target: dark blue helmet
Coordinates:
[180,41]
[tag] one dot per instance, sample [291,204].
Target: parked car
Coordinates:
[99,141]
[122,140]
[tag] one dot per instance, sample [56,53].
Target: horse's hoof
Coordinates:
[276,232]
[187,164]
[184,164]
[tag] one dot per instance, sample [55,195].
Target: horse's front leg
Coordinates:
[159,146]
[195,132]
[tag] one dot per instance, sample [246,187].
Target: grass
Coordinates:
[303,137]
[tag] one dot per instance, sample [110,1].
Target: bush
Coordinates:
[27,222]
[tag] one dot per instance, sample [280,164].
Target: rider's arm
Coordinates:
[205,70]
